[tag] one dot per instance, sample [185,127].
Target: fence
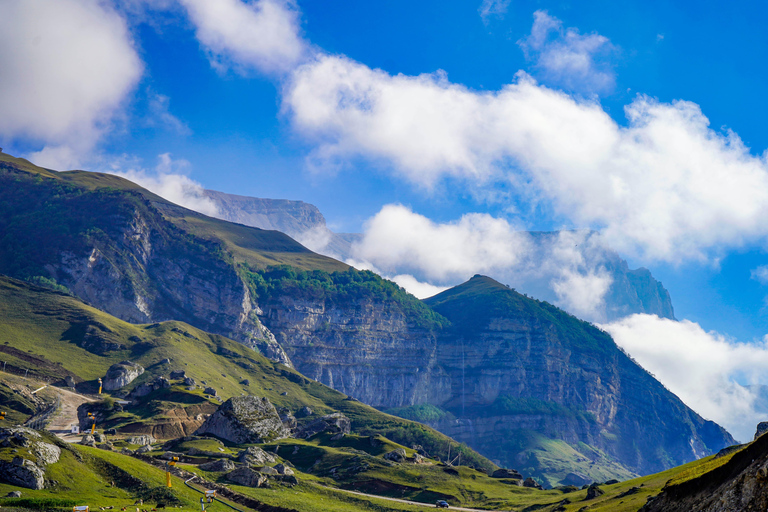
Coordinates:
[39,420]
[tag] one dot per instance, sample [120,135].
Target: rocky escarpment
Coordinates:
[127,252]
[30,456]
[738,485]
[507,367]
[518,365]
[364,348]
[245,419]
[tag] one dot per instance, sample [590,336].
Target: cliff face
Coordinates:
[518,364]
[366,350]
[117,248]
[508,366]
[300,220]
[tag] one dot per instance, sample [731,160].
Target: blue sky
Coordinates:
[457,122]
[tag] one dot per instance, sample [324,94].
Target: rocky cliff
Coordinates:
[505,368]
[135,255]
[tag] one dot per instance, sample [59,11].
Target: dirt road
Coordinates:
[416,503]
[61,423]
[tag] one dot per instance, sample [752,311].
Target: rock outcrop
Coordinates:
[247,476]
[335,423]
[121,374]
[245,419]
[22,472]
[738,485]
[218,465]
[255,456]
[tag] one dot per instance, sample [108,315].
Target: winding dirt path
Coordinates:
[61,423]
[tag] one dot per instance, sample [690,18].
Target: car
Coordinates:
[441,504]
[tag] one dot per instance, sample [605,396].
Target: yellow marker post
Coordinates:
[171,462]
[99,386]
[92,417]
[2,415]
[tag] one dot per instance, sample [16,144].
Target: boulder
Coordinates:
[288,419]
[266,470]
[178,374]
[189,381]
[46,453]
[218,465]
[304,412]
[245,419]
[530,482]
[593,491]
[144,449]
[762,428]
[69,381]
[334,423]
[507,473]
[255,456]
[88,440]
[148,387]
[120,375]
[245,382]
[396,455]
[13,494]
[247,476]
[141,440]
[210,391]
[23,473]
[283,469]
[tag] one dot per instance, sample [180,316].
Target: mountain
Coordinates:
[630,291]
[137,256]
[509,375]
[300,220]
[144,260]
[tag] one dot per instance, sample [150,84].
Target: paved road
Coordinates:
[61,423]
[407,502]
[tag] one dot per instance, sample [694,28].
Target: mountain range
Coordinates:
[516,378]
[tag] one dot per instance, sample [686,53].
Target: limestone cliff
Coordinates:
[507,366]
[134,255]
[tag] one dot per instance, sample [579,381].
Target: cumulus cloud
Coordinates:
[493,8]
[664,187]
[415,287]
[261,34]
[712,374]
[68,65]
[565,57]
[398,239]
[159,114]
[168,181]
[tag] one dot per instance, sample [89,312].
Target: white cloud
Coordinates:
[493,8]
[708,371]
[260,34]
[415,287]
[398,240]
[565,57]
[168,181]
[760,274]
[664,187]
[67,67]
